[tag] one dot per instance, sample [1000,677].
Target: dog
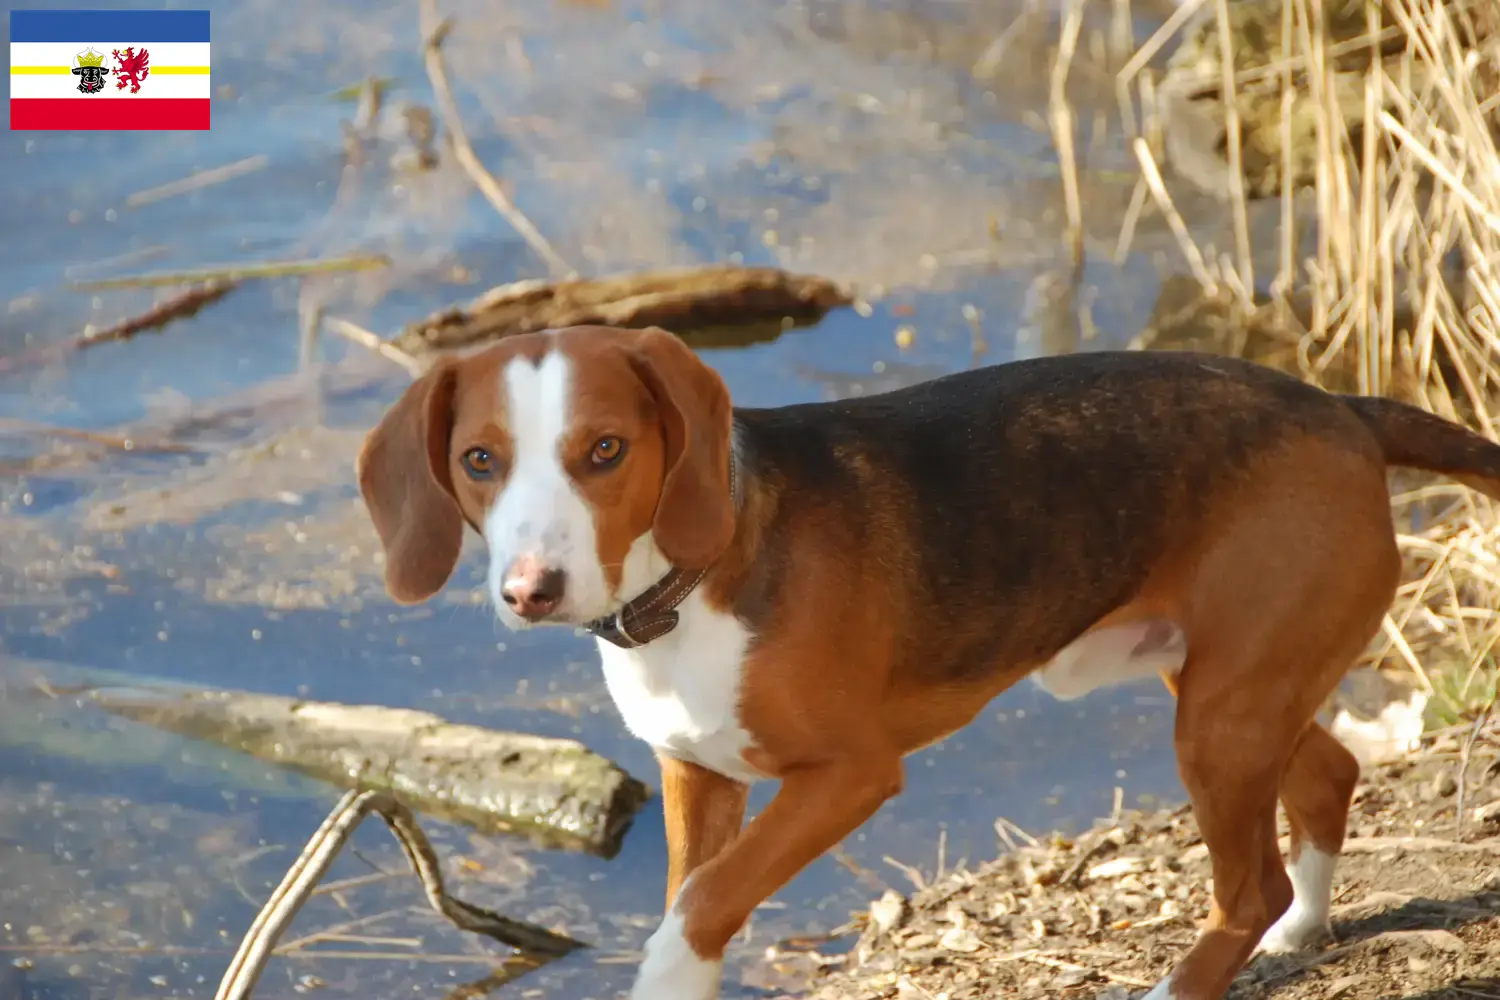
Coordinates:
[810,593]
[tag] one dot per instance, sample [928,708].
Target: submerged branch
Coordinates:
[536,944]
[463,150]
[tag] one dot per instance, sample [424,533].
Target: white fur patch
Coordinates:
[680,693]
[1305,923]
[671,970]
[539,513]
[1114,655]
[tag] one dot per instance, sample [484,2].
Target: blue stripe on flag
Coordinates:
[126,27]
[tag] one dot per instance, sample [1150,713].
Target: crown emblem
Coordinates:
[90,58]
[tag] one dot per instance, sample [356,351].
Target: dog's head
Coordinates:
[587,457]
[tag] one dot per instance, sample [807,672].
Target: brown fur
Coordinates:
[694,519]
[407,485]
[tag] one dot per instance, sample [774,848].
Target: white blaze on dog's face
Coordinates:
[564,472]
[564,450]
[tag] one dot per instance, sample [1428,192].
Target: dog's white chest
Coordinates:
[681,692]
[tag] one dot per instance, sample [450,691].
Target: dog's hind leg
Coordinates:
[1232,787]
[1237,751]
[1271,629]
[1316,790]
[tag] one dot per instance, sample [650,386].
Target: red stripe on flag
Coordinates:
[68,113]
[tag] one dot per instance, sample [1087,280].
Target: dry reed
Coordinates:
[1416,181]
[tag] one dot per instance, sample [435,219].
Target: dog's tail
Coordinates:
[1415,439]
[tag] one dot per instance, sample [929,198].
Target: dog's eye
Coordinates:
[478,463]
[607,451]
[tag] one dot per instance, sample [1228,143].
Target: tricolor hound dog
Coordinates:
[810,593]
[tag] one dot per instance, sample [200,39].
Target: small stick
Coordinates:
[202,179]
[339,930]
[372,341]
[437,73]
[352,882]
[1061,119]
[1073,877]
[1114,977]
[250,960]
[1164,204]
[1463,763]
[9,425]
[913,874]
[309,324]
[238,272]
[1159,38]
[1002,824]
[1236,164]
[466,916]
[180,306]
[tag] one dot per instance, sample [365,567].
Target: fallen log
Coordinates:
[557,793]
[681,300]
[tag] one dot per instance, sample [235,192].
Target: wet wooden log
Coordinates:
[681,300]
[557,793]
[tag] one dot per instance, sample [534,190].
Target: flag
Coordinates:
[109,69]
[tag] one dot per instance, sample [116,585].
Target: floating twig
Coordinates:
[238,272]
[180,306]
[113,441]
[463,150]
[79,272]
[537,944]
[372,341]
[202,179]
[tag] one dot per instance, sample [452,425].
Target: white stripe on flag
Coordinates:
[62,53]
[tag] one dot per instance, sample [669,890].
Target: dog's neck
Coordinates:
[653,613]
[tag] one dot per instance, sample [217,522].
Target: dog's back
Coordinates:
[1069,476]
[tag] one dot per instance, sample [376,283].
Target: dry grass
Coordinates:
[1388,209]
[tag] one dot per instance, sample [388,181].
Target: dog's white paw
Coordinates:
[1296,930]
[671,969]
[1305,923]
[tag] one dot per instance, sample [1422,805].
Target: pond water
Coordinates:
[900,145]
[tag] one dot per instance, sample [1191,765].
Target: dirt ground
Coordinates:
[1416,904]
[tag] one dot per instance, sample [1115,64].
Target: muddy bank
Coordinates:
[1416,903]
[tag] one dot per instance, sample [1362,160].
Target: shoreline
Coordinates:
[1107,913]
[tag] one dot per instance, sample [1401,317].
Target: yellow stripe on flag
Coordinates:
[65,70]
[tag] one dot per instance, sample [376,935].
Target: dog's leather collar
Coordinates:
[653,614]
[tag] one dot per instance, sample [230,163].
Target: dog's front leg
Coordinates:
[703,812]
[816,807]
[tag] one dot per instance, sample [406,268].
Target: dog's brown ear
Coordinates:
[694,521]
[406,484]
